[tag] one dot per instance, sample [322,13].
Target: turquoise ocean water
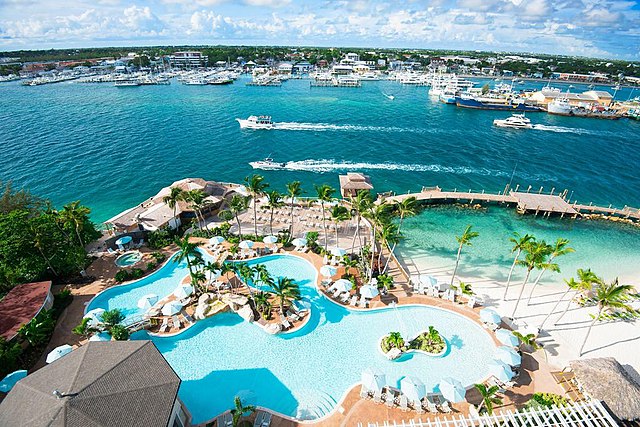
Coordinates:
[114,147]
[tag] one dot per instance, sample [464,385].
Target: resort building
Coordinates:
[21,304]
[353,182]
[188,59]
[154,213]
[576,77]
[113,383]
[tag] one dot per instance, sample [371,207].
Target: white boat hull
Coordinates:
[505,124]
[246,124]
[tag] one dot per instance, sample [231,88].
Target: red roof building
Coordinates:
[22,304]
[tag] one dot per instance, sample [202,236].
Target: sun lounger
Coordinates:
[363,302]
[377,396]
[390,399]
[337,293]
[165,325]
[444,407]
[364,393]
[417,405]
[292,316]
[354,301]
[285,323]
[266,422]
[404,403]
[345,298]
[176,321]
[111,251]
[188,318]
[431,407]
[259,419]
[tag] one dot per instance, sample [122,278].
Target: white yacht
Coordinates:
[560,106]
[126,83]
[256,122]
[267,164]
[516,121]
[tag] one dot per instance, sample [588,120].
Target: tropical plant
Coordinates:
[546,400]
[294,190]
[245,272]
[338,214]
[465,288]
[325,194]
[348,263]
[394,339]
[9,355]
[519,243]
[239,410]
[75,215]
[274,201]
[188,252]
[226,268]
[285,290]
[389,234]
[378,215]
[535,257]
[198,279]
[256,186]
[463,240]
[119,333]
[111,318]
[489,397]
[213,268]
[527,341]
[359,204]
[197,201]
[585,282]
[83,329]
[560,248]
[263,305]
[38,329]
[385,281]
[610,297]
[172,199]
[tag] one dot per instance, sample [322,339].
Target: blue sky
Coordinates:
[601,28]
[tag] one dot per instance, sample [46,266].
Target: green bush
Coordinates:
[119,333]
[39,329]
[151,265]
[546,400]
[83,329]
[9,355]
[158,256]
[122,276]
[136,273]
[431,341]
[111,318]
[160,238]
[61,300]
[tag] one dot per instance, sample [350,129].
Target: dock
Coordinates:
[526,202]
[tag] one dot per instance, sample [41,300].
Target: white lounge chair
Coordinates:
[337,293]
[259,419]
[285,323]
[377,396]
[364,393]
[404,403]
[345,298]
[292,316]
[444,407]
[363,302]
[354,301]
[176,321]
[266,421]
[431,407]
[390,399]
[417,405]
[165,325]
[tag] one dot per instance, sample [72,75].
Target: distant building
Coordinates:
[352,182]
[595,77]
[302,68]
[353,57]
[188,59]
[584,99]
[285,68]
[21,304]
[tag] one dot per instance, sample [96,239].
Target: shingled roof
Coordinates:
[101,384]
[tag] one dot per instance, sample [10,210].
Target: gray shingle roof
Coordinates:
[117,383]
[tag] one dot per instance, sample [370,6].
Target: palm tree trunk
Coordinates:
[526,278]
[554,307]
[373,250]
[255,216]
[239,226]
[47,261]
[324,226]
[79,238]
[337,234]
[455,270]
[291,234]
[589,330]
[386,264]
[271,222]
[356,233]
[538,280]
[515,261]
[565,310]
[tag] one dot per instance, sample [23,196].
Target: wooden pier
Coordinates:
[526,202]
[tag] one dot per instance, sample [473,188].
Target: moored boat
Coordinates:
[501,104]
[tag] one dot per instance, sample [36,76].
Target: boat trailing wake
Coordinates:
[561,129]
[332,127]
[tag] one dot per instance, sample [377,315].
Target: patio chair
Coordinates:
[266,421]
[354,301]
[364,393]
[431,407]
[363,302]
[404,403]
[444,407]
[165,325]
[337,293]
[285,323]
[417,405]
[345,298]
[176,321]
[292,316]
[377,396]
[188,318]
[391,399]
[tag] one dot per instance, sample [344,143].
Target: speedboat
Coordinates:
[256,122]
[267,163]
[516,121]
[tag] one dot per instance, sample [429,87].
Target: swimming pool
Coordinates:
[305,374]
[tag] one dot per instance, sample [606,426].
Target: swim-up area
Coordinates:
[305,373]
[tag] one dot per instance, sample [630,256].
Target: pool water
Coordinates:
[128,259]
[302,374]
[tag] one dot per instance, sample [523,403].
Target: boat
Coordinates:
[516,121]
[126,83]
[268,164]
[390,97]
[559,106]
[256,122]
[495,103]
[220,81]
[448,96]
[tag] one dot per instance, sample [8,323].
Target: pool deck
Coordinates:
[351,410]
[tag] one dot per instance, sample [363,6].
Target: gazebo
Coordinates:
[353,182]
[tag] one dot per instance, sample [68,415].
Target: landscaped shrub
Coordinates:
[39,329]
[547,400]
[83,329]
[136,273]
[111,318]
[119,333]
[151,265]
[9,356]
[158,256]
[160,238]
[122,276]
[430,341]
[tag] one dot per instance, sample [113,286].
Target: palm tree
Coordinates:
[172,199]
[378,215]
[325,194]
[294,189]
[188,252]
[395,339]
[213,268]
[196,199]
[559,249]
[40,244]
[586,280]
[610,297]
[76,216]
[489,397]
[286,290]
[464,240]
[226,268]
[535,257]
[390,234]
[237,205]
[385,280]
[406,208]
[198,277]
[261,300]
[245,272]
[256,186]
[359,204]
[239,410]
[528,340]
[261,274]
[274,201]
[339,214]
[518,247]
[348,263]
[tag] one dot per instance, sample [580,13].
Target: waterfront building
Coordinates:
[589,98]
[188,59]
[353,182]
[592,77]
[21,304]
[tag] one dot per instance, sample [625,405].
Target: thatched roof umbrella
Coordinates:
[605,379]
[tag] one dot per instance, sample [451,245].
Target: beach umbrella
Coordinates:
[183,291]
[94,316]
[102,336]
[171,308]
[506,337]
[58,352]
[216,240]
[338,251]
[369,291]
[373,281]
[500,370]
[343,285]
[299,242]
[123,241]
[328,270]
[488,315]
[508,355]
[373,380]
[452,390]
[270,240]
[246,244]
[147,301]
[212,275]
[413,388]
[10,380]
